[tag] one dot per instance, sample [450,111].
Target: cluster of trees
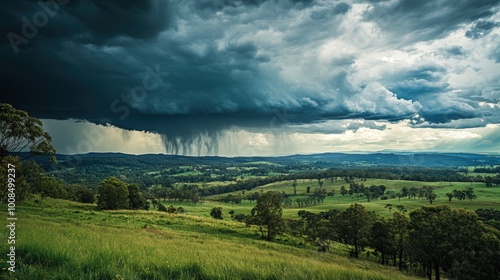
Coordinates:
[114,194]
[19,133]
[429,240]
[425,192]
[468,193]
[31,179]
[318,196]
[184,193]
[390,173]
[489,181]
[171,209]
[372,192]
[490,217]
[231,198]
[487,169]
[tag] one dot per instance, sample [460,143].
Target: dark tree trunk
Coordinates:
[428,267]
[436,268]
[401,260]
[356,248]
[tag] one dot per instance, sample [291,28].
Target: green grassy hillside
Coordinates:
[57,239]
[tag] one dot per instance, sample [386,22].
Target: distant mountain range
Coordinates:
[319,160]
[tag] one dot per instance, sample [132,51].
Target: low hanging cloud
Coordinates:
[193,70]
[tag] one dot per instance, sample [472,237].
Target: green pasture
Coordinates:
[487,197]
[58,239]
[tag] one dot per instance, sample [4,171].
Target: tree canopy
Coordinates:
[112,194]
[267,214]
[19,132]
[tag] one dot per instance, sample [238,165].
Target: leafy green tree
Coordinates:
[405,192]
[85,195]
[496,179]
[391,194]
[80,193]
[195,198]
[343,191]
[112,194]
[19,132]
[354,226]
[161,207]
[49,186]
[453,240]
[319,195]
[401,208]
[171,209]
[32,172]
[428,193]
[22,185]
[426,238]
[399,227]
[267,214]
[431,197]
[449,195]
[294,184]
[135,198]
[469,193]
[389,206]
[460,195]
[488,180]
[320,183]
[216,213]
[413,192]
[381,239]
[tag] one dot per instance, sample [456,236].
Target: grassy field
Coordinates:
[486,197]
[58,239]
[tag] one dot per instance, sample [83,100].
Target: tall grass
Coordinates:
[83,244]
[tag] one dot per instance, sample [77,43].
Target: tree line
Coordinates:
[430,241]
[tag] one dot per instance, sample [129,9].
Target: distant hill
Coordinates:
[323,160]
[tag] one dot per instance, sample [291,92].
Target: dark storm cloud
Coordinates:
[339,9]
[423,20]
[413,83]
[223,64]
[88,21]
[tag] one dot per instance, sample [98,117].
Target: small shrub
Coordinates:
[162,207]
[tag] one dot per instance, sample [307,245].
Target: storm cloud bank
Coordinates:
[194,70]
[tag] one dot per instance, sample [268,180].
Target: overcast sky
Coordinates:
[255,77]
